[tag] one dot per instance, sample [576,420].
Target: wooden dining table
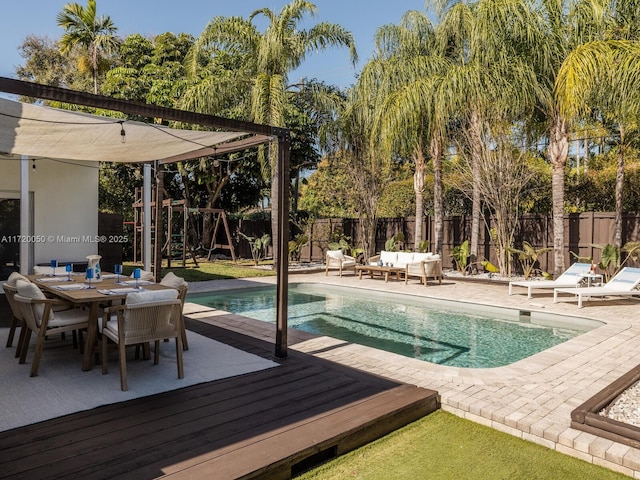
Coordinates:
[75,290]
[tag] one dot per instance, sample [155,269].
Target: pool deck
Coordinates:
[532,398]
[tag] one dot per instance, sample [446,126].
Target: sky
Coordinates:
[153,17]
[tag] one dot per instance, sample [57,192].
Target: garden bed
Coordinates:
[592,415]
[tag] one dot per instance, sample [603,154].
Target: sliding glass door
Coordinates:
[10,235]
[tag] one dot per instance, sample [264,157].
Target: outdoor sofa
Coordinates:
[416,264]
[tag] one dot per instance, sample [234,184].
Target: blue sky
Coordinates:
[152,17]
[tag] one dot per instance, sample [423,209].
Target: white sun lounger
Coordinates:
[570,278]
[623,284]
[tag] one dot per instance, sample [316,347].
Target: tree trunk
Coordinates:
[418,187]
[476,159]
[558,152]
[617,236]
[438,208]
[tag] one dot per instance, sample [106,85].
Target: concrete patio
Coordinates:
[531,399]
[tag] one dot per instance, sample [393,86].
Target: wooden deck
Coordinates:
[268,424]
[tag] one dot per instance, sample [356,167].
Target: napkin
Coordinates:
[51,279]
[73,286]
[120,291]
[140,282]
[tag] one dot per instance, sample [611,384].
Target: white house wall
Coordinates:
[65,207]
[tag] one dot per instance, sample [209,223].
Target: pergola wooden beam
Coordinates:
[47,92]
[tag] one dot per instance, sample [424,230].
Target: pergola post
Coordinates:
[158,227]
[24,213]
[282,264]
[146,217]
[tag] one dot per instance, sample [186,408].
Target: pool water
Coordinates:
[447,333]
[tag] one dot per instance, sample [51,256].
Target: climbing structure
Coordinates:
[183,235]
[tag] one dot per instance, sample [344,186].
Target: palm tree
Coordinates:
[84,29]
[488,86]
[562,26]
[272,54]
[403,71]
[603,75]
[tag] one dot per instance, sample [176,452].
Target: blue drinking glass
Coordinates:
[136,275]
[69,268]
[118,271]
[89,276]
[54,265]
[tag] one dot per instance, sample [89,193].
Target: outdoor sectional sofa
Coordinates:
[420,265]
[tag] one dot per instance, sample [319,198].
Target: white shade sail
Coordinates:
[37,131]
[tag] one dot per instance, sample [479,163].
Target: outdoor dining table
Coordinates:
[78,292]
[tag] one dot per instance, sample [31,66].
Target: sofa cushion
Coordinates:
[420,257]
[388,257]
[404,258]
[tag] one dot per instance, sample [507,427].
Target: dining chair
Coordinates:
[38,315]
[147,316]
[9,288]
[180,284]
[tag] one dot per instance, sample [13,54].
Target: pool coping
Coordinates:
[533,398]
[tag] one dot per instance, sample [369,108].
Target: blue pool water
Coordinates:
[447,333]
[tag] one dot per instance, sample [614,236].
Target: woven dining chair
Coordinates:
[145,317]
[180,284]
[38,316]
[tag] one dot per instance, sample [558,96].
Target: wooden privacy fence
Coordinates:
[582,231]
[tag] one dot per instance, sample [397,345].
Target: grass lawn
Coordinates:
[444,446]
[215,270]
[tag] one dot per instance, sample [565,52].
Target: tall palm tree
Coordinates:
[273,55]
[85,30]
[563,25]
[403,69]
[603,75]
[489,83]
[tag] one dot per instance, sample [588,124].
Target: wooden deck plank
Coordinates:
[196,427]
[308,436]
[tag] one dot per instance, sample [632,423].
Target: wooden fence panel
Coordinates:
[582,231]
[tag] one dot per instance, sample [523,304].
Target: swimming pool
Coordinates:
[448,333]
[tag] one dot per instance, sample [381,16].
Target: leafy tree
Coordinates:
[45,64]
[93,35]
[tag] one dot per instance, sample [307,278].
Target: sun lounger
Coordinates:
[570,278]
[624,283]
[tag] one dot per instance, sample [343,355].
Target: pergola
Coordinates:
[34,131]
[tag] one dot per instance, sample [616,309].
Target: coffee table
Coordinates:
[377,269]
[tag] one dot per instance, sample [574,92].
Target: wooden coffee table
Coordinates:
[371,269]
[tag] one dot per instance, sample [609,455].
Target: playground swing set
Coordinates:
[178,242]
